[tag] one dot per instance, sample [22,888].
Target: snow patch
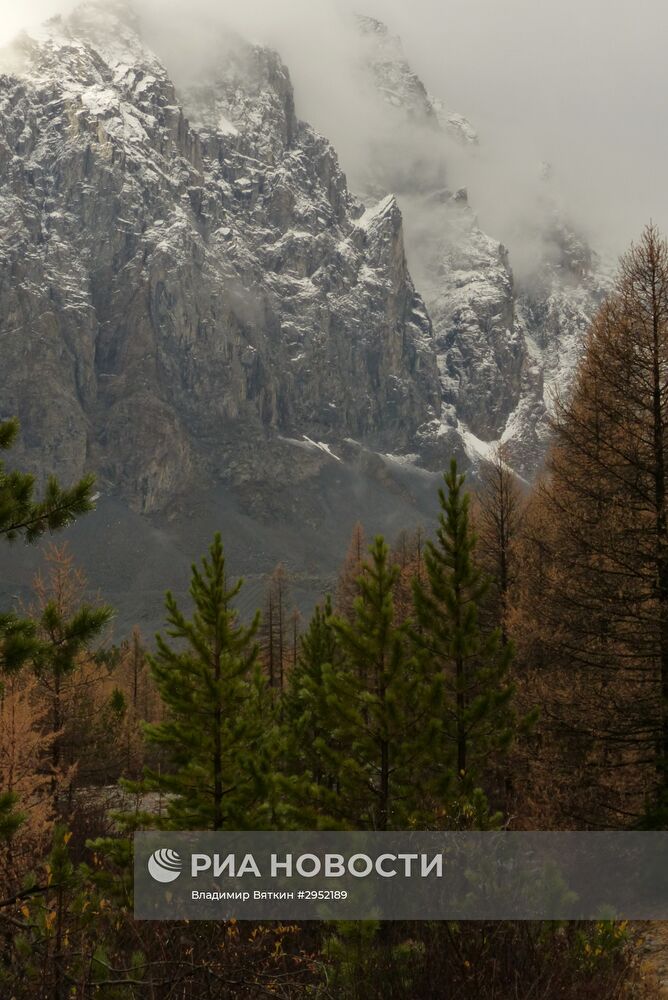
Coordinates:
[323,447]
[379,211]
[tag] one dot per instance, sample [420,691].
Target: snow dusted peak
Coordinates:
[402,88]
[52,55]
[247,93]
[380,36]
[503,338]
[393,77]
[113,30]
[98,47]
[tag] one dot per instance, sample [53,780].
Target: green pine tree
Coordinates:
[23,516]
[63,636]
[218,730]
[10,818]
[382,715]
[308,744]
[479,720]
[18,643]
[304,704]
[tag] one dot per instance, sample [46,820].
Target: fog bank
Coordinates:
[579,85]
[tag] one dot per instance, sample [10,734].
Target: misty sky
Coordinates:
[580,83]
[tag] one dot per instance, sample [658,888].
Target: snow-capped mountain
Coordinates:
[503,345]
[194,304]
[190,273]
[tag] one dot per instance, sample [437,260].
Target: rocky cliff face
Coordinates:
[502,344]
[194,305]
[188,287]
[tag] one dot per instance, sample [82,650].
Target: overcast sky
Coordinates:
[580,83]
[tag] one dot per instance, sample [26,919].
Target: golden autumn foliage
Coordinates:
[591,607]
[26,771]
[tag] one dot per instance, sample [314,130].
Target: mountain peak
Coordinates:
[114,31]
[371,26]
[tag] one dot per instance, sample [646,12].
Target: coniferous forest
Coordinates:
[503,668]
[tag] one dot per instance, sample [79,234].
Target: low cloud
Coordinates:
[579,85]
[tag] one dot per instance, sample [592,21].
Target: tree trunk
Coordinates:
[217,747]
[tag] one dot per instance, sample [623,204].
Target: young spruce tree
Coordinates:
[305,701]
[478,717]
[24,516]
[382,713]
[219,722]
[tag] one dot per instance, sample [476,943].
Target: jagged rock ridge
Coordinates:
[503,345]
[190,275]
[194,305]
